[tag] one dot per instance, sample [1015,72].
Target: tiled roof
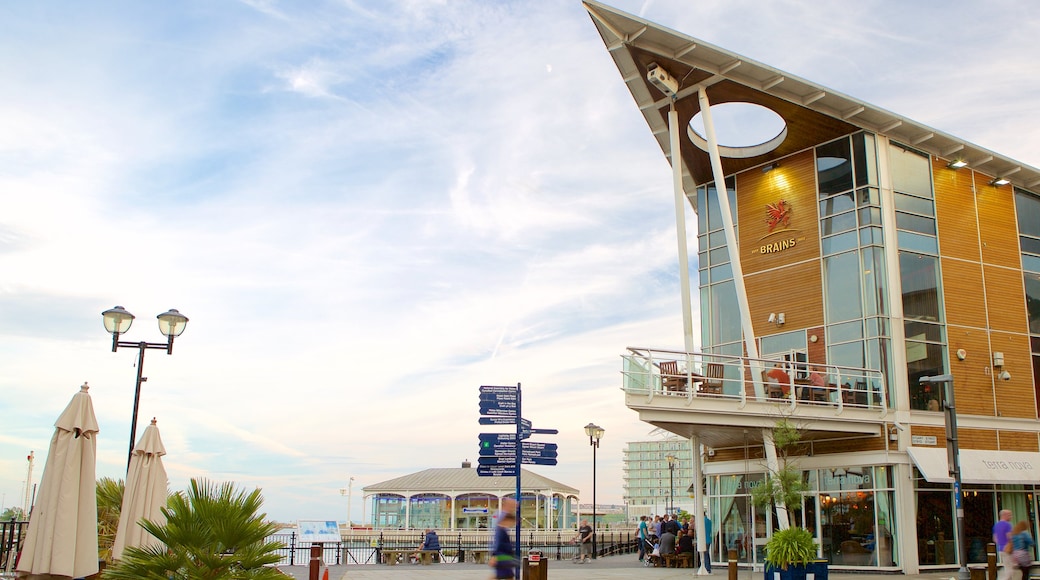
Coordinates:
[465,479]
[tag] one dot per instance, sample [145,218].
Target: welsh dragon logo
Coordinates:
[777,214]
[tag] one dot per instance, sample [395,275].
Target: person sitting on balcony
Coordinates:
[779,380]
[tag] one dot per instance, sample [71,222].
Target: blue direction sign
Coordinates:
[496,470]
[492,389]
[508,450]
[539,461]
[539,446]
[493,438]
[536,460]
[499,407]
[498,420]
[525,428]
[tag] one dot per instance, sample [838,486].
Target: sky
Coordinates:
[368,209]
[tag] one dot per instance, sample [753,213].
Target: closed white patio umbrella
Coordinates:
[144,495]
[62,538]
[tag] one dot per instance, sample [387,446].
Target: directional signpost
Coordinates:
[500,456]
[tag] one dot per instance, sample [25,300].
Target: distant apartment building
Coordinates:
[649,487]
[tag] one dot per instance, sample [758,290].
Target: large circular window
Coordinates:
[743,129]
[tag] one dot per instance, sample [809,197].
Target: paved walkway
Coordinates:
[608,568]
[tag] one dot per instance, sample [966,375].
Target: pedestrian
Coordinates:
[1001,535]
[502,558]
[584,537]
[642,538]
[707,543]
[1022,548]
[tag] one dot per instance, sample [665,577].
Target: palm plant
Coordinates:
[109,504]
[211,532]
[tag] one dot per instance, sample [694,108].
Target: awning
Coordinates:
[978,466]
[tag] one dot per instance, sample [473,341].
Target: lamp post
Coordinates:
[349,492]
[954,463]
[595,432]
[117,321]
[671,484]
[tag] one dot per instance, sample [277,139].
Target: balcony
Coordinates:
[714,396]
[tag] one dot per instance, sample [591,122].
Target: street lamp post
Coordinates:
[595,432]
[349,492]
[117,321]
[954,463]
[671,484]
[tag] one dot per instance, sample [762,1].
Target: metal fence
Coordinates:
[366,548]
[11,534]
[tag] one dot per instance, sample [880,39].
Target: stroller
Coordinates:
[651,548]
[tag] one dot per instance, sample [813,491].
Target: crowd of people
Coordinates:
[667,535]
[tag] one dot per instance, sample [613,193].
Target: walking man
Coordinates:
[1001,536]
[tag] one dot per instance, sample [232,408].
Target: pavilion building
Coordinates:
[456,498]
[840,261]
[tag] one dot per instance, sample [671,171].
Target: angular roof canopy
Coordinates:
[465,479]
[814,114]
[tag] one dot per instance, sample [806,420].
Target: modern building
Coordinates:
[456,498]
[657,474]
[840,261]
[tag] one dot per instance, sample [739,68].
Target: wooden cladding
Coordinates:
[794,183]
[1015,397]
[973,377]
[998,229]
[955,211]
[962,289]
[1018,441]
[1006,298]
[796,290]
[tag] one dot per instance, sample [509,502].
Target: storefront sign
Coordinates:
[923,440]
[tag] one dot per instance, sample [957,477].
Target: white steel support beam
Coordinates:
[680,228]
[698,500]
[773,467]
[731,241]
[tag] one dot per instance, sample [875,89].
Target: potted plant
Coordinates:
[790,553]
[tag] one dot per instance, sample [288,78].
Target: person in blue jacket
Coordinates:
[503,560]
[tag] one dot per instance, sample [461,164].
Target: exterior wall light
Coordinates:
[957,164]
[1000,181]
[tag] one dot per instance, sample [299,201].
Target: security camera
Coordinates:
[780,319]
[1005,376]
[772,317]
[660,78]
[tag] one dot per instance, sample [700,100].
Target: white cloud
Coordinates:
[369,209]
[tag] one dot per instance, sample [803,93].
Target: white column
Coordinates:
[680,228]
[731,240]
[772,467]
[698,500]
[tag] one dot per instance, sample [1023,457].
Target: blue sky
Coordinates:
[369,209]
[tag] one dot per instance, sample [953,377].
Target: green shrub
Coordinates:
[790,547]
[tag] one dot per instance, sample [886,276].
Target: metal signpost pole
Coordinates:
[953,460]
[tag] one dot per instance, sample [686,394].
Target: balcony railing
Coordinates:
[664,373]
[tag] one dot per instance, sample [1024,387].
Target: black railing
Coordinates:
[455,547]
[11,534]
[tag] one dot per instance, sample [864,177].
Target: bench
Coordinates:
[427,557]
[478,556]
[394,556]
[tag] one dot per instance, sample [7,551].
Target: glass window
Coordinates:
[874,280]
[716,239]
[841,276]
[917,242]
[1031,245]
[868,196]
[839,243]
[910,171]
[834,167]
[1030,263]
[922,225]
[870,236]
[849,354]
[783,343]
[719,255]
[1033,302]
[837,204]
[725,315]
[723,272]
[838,223]
[866,159]
[923,331]
[923,360]
[920,286]
[845,332]
[1028,213]
[913,204]
[870,215]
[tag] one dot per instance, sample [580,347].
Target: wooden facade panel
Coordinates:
[1016,397]
[797,291]
[976,438]
[955,211]
[793,182]
[962,288]
[973,379]
[1018,441]
[997,227]
[1006,299]
[849,445]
